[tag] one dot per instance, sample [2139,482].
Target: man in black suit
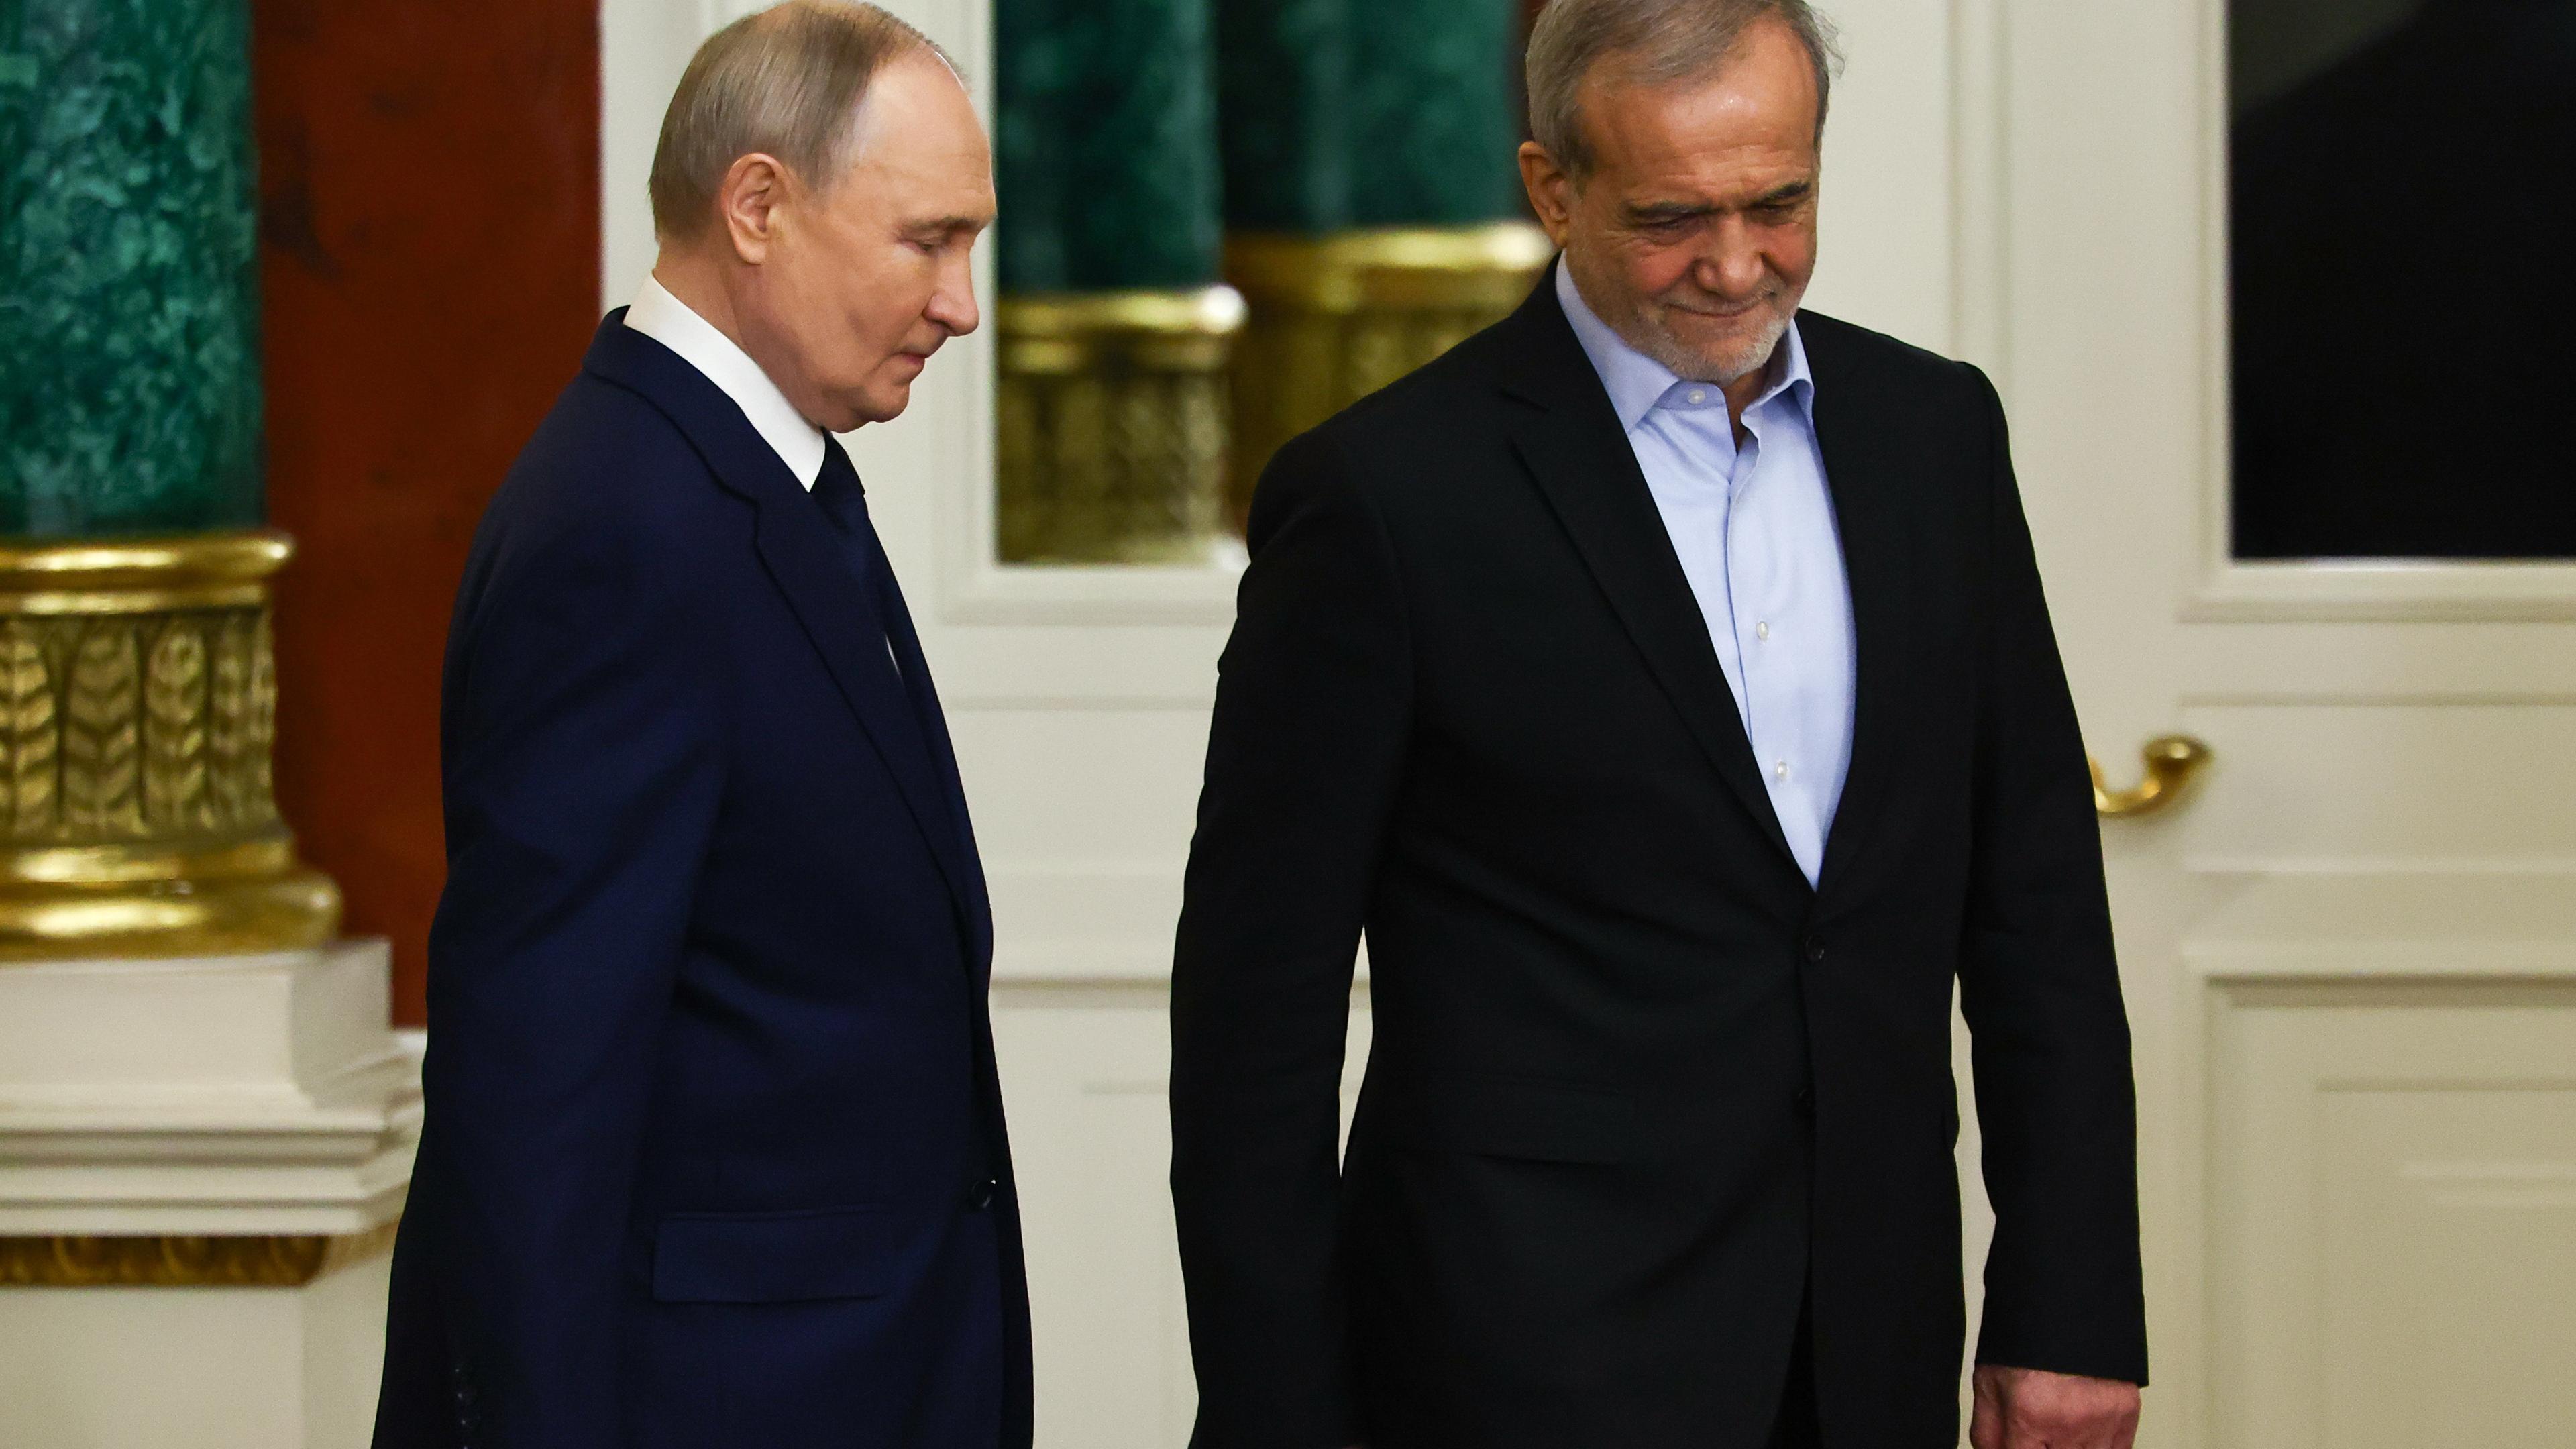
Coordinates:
[715,1151]
[1661,682]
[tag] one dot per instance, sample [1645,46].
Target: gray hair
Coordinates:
[1655,43]
[788,82]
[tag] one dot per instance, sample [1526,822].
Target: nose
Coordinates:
[1732,266]
[952,302]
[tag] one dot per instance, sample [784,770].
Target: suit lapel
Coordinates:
[798,548]
[1573,446]
[805,561]
[1863,472]
[924,696]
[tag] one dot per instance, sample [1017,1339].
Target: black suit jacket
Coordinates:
[715,1151]
[1637,1090]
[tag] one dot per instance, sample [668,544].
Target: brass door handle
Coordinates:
[2171,762]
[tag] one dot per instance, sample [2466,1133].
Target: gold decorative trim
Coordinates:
[1349,272]
[1112,425]
[1334,318]
[185,1262]
[142,575]
[138,712]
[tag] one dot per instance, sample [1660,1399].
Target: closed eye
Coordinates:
[1667,223]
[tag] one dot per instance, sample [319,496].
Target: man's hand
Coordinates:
[2020,1408]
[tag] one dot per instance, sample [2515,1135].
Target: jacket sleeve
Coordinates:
[583,771]
[1312,709]
[2040,988]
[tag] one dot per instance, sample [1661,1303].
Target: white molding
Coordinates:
[2399,940]
[2499,924]
[195,1367]
[2559,870]
[219,1095]
[643,47]
[2369,590]
[1981,173]
[978,590]
[2291,696]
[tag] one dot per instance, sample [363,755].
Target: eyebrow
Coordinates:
[942,226]
[1661,211]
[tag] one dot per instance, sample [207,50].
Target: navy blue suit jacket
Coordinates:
[715,1151]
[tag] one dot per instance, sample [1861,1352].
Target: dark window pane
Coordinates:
[2403,219]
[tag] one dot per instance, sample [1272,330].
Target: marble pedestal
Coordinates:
[201,1162]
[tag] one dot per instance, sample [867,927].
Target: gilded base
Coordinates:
[138,707]
[1112,426]
[184,1262]
[1335,318]
[293,911]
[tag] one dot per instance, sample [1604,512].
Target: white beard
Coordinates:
[1725,371]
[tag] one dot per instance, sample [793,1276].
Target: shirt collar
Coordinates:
[1636,382]
[676,325]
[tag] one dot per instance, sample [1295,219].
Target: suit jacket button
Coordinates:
[1805,1101]
[981,1197]
[1815,948]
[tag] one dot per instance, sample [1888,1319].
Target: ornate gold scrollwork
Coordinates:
[1336,317]
[2171,762]
[184,1261]
[1111,416]
[138,708]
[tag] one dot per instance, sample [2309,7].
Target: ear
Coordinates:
[754,191]
[1551,190]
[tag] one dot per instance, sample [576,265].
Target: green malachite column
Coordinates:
[1114,330]
[1434,112]
[137,684]
[1339,114]
[1283,72]
[1107,154]
[129,302]
[1373,207]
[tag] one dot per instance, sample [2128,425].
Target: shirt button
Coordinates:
[1781,769]
[1762,630]
[1697,396]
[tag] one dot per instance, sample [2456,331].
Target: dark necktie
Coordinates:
[845,502]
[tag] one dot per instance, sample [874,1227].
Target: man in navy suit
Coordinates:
[715,1152]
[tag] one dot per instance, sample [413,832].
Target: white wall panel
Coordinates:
[2450,1245]
[2392,1212]
[2366,786]
[1886,237]
[1088,786]
[1091,1138]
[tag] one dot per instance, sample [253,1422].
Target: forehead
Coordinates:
[920,145]
[1757,106]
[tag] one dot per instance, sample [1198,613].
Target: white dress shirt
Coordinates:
[1754,527]
[676,325]
[668,320]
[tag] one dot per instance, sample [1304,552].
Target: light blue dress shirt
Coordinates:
[1754,527]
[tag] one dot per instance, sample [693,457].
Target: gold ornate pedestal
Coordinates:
[184,1262]
[1335,318]
[138,704]
[1113,427]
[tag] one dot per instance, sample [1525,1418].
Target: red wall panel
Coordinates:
[429,195]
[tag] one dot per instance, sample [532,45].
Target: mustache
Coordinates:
[1692,300]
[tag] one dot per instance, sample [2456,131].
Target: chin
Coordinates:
[873,408]
[1736,352]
